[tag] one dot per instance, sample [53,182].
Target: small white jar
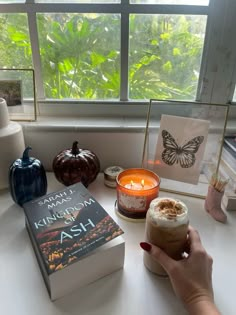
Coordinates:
[110,175]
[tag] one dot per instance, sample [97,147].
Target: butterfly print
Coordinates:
[184,155]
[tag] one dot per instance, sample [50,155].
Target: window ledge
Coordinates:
[96,124]
[86,124]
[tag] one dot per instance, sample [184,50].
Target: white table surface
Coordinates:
[132,290]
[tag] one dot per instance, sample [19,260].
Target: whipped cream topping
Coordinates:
[168,212]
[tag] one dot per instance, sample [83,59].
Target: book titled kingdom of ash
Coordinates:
[75,240]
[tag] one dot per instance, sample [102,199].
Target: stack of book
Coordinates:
[75,240]
[228,164]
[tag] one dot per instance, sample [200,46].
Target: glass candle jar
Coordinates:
[136,188]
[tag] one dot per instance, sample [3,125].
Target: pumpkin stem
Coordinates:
[25,157]
[75,149]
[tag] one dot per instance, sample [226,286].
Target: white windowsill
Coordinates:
[86,124]
[96,124]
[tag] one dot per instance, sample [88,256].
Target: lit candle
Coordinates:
[136,188]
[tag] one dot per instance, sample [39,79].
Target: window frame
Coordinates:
[218,69]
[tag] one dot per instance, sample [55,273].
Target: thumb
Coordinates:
[162,258]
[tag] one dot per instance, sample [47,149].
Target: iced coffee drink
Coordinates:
[167,227]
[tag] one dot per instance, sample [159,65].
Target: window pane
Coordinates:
[15,48]
[165,56]
[177,2]
[80,55]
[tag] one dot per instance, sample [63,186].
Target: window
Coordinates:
[113,52]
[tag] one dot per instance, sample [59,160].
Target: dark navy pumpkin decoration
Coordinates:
[27,178]
[75,165]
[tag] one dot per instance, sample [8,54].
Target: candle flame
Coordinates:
[131,183]
[142,183]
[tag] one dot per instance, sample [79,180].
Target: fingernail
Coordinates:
[145,246]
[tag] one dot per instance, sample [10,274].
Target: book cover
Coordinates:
[229,202]
[65,226]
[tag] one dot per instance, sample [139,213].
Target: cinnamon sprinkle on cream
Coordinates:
[168,212]
[169,208]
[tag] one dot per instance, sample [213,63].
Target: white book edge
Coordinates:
[101,262]
[228,204]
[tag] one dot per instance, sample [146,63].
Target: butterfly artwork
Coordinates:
[176,154]
[180,149]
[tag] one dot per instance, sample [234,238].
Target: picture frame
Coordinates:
[216,114]
[11,91]
[17,87]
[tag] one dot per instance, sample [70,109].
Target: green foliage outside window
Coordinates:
[165,56]
[15,48]
[80,54]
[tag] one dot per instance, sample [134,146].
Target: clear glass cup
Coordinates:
[166,227]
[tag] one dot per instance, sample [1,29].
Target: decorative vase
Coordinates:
[27,179]
[213,204]
[11,143]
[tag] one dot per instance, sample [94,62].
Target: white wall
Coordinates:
[112,148]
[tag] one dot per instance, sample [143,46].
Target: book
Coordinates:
[228,156]
[229,152]
[229,202]
[75,240]
[230,141]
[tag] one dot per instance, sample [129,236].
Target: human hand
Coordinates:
[191,277]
